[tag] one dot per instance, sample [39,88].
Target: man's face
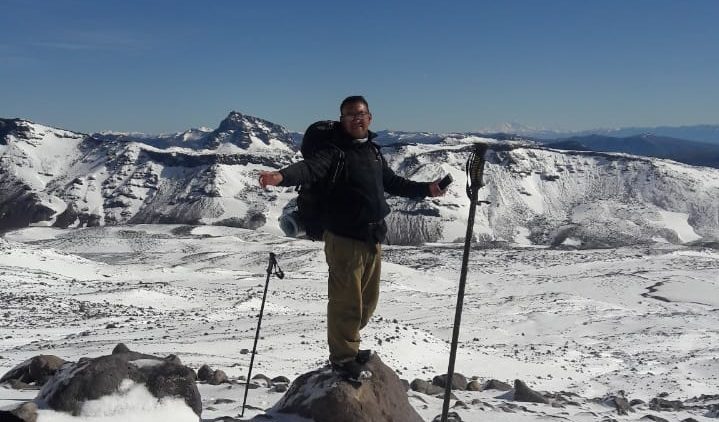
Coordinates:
[356,119]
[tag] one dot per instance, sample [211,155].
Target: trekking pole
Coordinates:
[271,267]
[475,168]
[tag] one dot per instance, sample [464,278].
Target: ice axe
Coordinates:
[272,267]
[475,170]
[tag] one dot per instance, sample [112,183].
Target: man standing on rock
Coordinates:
[354,227]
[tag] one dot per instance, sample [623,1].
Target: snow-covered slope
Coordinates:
[536,195]
[54,177]
[586,323]
[542,196]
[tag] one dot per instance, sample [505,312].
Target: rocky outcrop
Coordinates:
[525,394]
[92,378]
[322,396]
[210,376]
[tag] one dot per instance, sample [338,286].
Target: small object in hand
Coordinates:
[446,180]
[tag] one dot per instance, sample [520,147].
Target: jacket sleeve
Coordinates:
[311,169]
[399,186]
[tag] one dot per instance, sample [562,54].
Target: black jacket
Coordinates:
[356,205]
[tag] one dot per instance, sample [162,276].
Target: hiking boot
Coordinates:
[352,370]
[363,356]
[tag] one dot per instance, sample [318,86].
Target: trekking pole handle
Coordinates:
[477,165]
[475,168]
[274,266]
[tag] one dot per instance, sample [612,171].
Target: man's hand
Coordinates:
[270,178]
[435,190]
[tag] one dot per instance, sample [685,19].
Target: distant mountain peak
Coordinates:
[244,130]
[514,128]
[235,120]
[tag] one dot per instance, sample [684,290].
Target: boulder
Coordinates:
[35,370]
[281,379]
[620,403]
[322,396]
[422,386]
[660,405]
[459,381]
[204,373]
[474,385]
[526,394]
[93,378]
[218,377]
[496,385]
[44,367]
[262,380]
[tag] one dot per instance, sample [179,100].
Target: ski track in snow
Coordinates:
[591,322]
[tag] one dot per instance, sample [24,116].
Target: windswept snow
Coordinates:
[591,322]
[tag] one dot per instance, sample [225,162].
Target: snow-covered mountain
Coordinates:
[56,177]
[537,195]
[698,133]
[689,152]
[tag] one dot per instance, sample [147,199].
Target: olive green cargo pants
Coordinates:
[353,291]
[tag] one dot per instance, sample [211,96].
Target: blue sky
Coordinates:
[165,66]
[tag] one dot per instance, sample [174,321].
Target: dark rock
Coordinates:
[280,387]
[660,404]
[620,403]
[689,420]
[460,404]
[422,386]
[223,401]
[262,379]
[20,372]
[174,359]
[43,367]
[36,370]
[459,381]
[474,385]
[525,394]
[204,373]
[322,396]
[496,385]
[636,402]
[218,377]
[92,378]
[281,379]
[120,348]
